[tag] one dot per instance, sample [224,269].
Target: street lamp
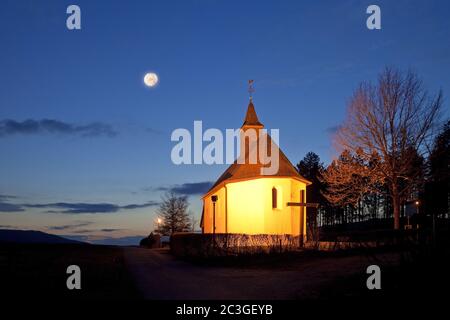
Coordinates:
[214,199]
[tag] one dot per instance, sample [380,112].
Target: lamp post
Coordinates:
[214,199]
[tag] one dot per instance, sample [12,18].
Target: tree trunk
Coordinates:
[396,205]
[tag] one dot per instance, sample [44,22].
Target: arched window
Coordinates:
[274,198]
[277,198]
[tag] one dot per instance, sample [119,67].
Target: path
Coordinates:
[159,275]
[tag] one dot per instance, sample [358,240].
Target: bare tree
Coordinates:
[173,211]
[349,178]
[390,119]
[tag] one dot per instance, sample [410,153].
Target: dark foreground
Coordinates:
[36,271]
[39,271]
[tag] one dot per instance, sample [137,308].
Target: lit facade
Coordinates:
[250,203]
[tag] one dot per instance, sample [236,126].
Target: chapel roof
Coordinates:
[251,119]
[246,171]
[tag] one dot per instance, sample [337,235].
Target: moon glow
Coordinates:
[151,79]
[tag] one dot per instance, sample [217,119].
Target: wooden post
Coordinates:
[214,218]
[302,204]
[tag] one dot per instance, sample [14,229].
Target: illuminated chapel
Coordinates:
[245,201]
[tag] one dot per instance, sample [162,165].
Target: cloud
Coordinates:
[333,129]
[110,230]
[78,224]
[60,227]
[70,226]
[94,232]
[7,226]
[79,208]
[138,206]
[10,127]
[82,231]
[188,189]
[10,207]
[6,206]
[192,188]
[4,197]
[97,230]
[74,208]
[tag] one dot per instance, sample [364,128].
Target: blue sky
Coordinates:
[107,144]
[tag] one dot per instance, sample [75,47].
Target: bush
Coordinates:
[152,241]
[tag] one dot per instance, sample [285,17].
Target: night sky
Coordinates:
[85,145]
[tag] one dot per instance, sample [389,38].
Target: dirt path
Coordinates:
[159,275]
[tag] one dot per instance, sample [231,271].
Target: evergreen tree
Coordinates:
[310,168]
[437,190]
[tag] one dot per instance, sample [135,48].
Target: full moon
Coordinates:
[151,79]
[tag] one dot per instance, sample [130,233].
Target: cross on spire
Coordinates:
[250,89]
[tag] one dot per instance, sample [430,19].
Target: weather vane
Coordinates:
[250,89]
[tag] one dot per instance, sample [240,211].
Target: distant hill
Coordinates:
[124,241]
[30,236]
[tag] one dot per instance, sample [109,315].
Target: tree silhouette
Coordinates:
[311,168]
[389,119]
[174,215]
[437,190]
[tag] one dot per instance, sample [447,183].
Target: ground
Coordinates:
[160,276]
[133,272]
[39,271]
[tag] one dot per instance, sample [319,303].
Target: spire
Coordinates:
[251,119]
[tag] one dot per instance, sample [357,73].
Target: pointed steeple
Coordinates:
[251,119]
